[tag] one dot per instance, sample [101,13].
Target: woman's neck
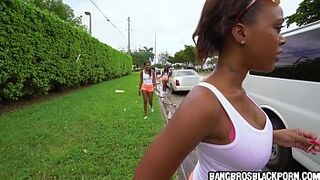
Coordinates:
[229,74]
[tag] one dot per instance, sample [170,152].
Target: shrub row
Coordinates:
[40,52]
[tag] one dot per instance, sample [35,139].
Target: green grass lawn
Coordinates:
[92,133]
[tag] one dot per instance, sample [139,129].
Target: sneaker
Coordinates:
[146,117]
[152,110]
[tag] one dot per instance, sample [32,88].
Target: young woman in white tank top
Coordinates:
[230,131]
[146,87]
[165,78]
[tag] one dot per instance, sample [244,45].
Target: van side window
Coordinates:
[300,59]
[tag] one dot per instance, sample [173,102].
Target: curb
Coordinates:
[167,110]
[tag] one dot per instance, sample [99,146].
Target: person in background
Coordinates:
[229,131]
[164,78]
[146,87]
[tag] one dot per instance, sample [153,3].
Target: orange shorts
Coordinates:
[147,88]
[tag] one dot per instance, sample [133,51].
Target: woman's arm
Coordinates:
[180,136]
[140,83]
[297,138]
[153,78]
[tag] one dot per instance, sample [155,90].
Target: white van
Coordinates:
[290,95]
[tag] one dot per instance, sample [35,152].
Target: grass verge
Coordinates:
[93,133]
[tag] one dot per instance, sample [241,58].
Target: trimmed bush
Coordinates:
[39,53]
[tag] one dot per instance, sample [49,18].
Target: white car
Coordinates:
[183,80]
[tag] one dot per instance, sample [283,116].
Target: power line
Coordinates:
[92,1]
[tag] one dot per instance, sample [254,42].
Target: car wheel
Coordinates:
[281,157]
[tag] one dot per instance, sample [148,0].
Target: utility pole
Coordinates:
[129,35]
[155,49]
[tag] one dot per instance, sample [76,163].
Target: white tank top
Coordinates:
[147,79]
[249,151]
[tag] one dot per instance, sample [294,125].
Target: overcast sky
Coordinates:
[172,21]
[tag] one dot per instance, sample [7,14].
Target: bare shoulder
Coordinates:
[199,111]
[203,99]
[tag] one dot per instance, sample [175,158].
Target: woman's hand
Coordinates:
[297,138]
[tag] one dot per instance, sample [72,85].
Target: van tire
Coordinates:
[281,157]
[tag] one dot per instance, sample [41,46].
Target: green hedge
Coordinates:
[39,53]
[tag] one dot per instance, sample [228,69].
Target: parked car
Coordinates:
[183,80]
[290,95]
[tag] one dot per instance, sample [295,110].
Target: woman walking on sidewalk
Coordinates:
[147,83]
[230,131]
[165,78]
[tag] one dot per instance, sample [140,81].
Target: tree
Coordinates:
[187,56]
[141,56]
[179,57]
[171,59]
[149,52]
[63,11]
[307,12]
[163,57]
[158,66]
[189,53]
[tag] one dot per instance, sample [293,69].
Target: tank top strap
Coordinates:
[231,111]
